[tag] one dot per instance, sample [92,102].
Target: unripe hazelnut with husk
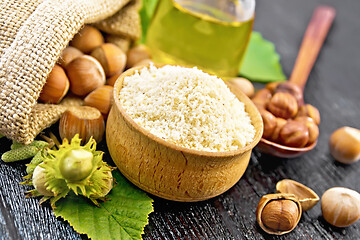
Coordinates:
[76,164]
[340,206]
[294,134]
[283,105]
[293,89]
[269,121]
[111,57]
[100,98]
[87,39]
[69,54]
[312,128]
[56,86]
[108,185]
[278,213]
[309,111]
[261,98]
[280,123]
[137,54]
[345,145]
[85,74]
[83,120]
[39,181]
[243,85]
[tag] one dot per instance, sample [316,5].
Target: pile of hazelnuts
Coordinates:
[87,69]
[287,120]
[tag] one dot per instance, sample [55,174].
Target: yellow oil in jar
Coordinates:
[195,34]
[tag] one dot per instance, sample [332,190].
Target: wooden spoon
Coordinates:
[312,42]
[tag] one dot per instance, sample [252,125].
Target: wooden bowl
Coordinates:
[282,151]
[168,170]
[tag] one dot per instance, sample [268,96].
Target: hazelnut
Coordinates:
[111,80]
[137,54]
[280,123]
[272,86]
[294,134]
[243,85]
[85,74]
[100,98]
[306,196]
[87,39]
[345,145]
[283,105]
[111,57]
[143,63]
[83,120]
[293,89]
[340,206]
[269,121]
[56,86]
[312,128]
[278,213]
[67,55]
[309,111]
[261,97]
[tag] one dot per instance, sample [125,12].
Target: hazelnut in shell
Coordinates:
[340,206]
[85,74]
[69,54]
[345,145]
[100,98]
[294,134]
[306,196]
[83,120]
[111,57]
[243,85]
[261,98]
[269,121]
[278,213]
[309,111]
[111,80]
[56,86]
[283,105]
[87,39]
[137,54]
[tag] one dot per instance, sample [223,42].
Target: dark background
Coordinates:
[333,87]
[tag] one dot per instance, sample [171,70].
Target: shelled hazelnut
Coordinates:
[278,213]
[269,121]
[280,123]
[311,126]
[294,134]
[293,89]
[309,111]
[261,98]
[283,105]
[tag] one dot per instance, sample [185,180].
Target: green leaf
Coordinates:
[261,62]
[124,216]
[146,12]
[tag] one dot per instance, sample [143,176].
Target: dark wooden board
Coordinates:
[333,87]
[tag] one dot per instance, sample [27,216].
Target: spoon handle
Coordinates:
[313,39]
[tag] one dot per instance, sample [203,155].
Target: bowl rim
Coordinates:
[255,120]
[287,148]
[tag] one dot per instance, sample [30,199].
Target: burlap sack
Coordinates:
[32,35]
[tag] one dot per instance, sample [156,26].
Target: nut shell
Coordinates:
[340,206]
[306,196]
[283,105]
[85,74]
[111,57]
[56,86]
[278,213]
[87,39]
[345,145]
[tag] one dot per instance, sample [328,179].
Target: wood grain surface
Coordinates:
[333,87]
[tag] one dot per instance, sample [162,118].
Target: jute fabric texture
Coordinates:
[32,35]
